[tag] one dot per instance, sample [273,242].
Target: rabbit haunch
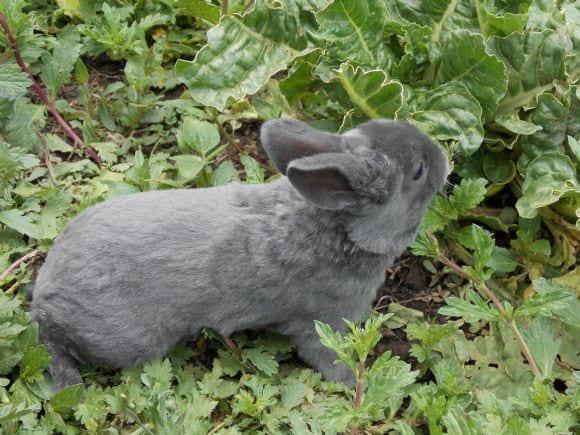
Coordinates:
[129,278]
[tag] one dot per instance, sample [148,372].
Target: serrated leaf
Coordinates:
[545,304]
[543,342]
[502,260]
[371,91]
[457,422]
[261,359]
[465,60]
[13,82]
[474,310]
[34,361]
[483,247]
[17,220]
[57,66]
[242,53]
[24,124]
[67,399]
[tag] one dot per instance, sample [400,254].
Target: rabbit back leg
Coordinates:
[304,337]
[63,369]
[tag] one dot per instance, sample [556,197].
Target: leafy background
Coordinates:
[170,94]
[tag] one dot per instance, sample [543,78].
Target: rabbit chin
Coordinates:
[381,242]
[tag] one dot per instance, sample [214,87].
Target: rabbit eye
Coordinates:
[420,171]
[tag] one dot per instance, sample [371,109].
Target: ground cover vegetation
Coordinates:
[477,329]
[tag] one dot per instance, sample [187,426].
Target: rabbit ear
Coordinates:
[327,179]
[286,140]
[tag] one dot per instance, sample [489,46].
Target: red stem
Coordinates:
[17,263]
[39,90]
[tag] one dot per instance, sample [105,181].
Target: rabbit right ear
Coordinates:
[286,140]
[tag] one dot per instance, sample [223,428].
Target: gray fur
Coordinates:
[129,278]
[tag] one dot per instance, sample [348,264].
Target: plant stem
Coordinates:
[491,296]
[225,7]
[18,262]
[41,93]
[360,386]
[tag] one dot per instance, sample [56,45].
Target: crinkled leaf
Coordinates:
[548,177]
[465,60]
[532,60]
[24,124]
[354,29]
[448,112]
[242,53]
[371,91]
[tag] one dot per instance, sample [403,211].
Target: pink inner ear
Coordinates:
[328,179]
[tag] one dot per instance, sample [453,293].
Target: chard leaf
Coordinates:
[494,21]
[441,15]
[465,60]
[242,53]
[371,91]
[533,60]
[354,29]
[449,112]
[548,114]
[548,178]
[13,82]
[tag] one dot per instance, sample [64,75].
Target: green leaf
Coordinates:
[458,422]
[468,194]
[24,124]
[67,399]
[354,29]
[371,91]
[224,174]
[13,82]
[513,123]
[34,361]
[199,8]
[546,304]
[426,245]
[261,359]
[449,112]
[254,172]
[548,114]
[483,247]
[495,21]
[57,66]
[17,220]
[188,166]
[242,53]
[502,260]
[196,135]
[533,60]
[543,342]
[474,310]
[465,60]
[548,178]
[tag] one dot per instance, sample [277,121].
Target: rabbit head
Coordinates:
[378,178]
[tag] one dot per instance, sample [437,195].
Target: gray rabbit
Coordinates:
[131,277]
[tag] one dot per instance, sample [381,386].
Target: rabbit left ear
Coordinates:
[327,179]
[286,140]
